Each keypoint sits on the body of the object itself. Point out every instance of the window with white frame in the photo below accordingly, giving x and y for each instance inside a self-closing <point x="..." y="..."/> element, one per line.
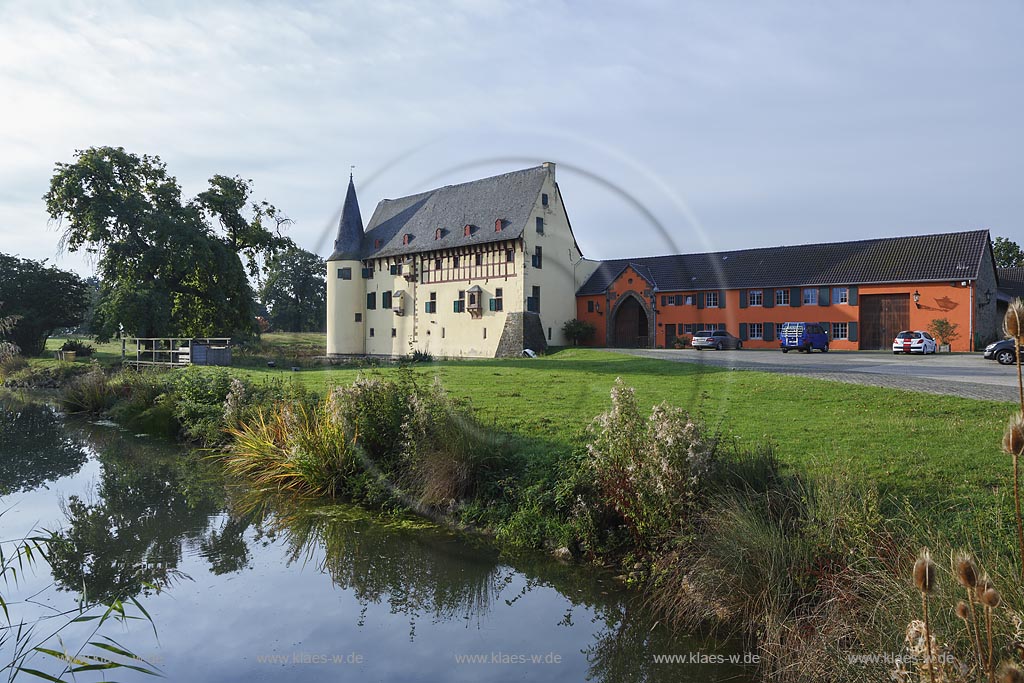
<point x="840" y="330"/>
<point x="710" y="299"/>
<point x="755" y="297"/>
<point x="840" y="295"/>
<point x="810" y="296"/>
<point x="781" y="297"/>
<point x="756" y="331"/>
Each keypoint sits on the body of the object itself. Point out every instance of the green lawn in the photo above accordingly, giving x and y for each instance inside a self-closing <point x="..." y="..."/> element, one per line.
<point x="922" y="445"/>
<point x="937" y="448"/>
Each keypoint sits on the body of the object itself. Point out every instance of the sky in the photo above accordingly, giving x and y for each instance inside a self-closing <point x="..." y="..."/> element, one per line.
<point x="675" y="126"/>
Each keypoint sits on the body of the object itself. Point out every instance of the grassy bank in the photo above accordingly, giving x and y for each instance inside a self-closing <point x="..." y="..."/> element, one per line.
<point x="787" y="509"/>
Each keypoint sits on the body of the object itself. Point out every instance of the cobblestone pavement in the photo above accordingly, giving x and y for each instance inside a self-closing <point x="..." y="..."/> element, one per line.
<point x="967" y="375"/>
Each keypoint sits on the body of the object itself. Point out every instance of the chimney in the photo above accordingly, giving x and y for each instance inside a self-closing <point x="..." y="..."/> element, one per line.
<point x="550" y="166"/>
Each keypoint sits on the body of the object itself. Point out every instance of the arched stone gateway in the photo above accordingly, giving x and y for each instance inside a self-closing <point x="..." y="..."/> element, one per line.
<point x="630" y="323"/>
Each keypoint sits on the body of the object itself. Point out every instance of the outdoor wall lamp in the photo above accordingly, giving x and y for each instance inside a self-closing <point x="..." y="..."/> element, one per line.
<point x="917" y="298"/>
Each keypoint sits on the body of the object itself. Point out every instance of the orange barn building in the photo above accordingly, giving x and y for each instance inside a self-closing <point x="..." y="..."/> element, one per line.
<point x="863" y="292"/>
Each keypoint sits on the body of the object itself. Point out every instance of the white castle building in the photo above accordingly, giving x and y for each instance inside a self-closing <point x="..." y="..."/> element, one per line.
<point x="481" y="269"/>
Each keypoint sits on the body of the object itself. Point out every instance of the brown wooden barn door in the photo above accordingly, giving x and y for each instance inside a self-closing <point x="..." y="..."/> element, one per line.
<point x="882" y="317"/>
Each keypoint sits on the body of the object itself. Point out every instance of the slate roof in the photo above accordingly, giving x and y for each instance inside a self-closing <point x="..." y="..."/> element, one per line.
<point x="510" y="197"/>
<point x="1011" y="281"/>
<point x="922" y="258"/>
<point x="347" y="244"/>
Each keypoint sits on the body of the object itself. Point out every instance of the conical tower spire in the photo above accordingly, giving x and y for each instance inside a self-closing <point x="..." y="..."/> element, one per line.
<point x="350" y="228"/>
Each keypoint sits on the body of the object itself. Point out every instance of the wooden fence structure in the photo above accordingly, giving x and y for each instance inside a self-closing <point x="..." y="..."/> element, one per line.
<point x="176" y="352"/>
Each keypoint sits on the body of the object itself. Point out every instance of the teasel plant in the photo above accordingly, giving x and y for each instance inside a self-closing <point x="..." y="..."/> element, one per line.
<point x="966" y="572"/>
<point x="1013" y="438"/>
<point x="925" y="580"/>
<point x="989" y="598"/>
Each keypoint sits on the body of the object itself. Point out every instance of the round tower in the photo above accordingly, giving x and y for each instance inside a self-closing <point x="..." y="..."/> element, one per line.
<point x="346" y="287"/>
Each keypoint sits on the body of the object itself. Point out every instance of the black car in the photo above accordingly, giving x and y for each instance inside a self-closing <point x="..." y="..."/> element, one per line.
<point x="1002" y="351"/>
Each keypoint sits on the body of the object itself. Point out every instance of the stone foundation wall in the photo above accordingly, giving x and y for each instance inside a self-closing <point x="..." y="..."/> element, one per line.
<point x="522" y="331"/>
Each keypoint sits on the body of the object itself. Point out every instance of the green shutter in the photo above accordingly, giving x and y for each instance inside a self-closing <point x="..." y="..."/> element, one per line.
<point x="823" y="296"/>
<point x="769" y="332"/>
<point x="743" y="298"/>
<point x="721" y="298"/>
<point x="768" y="298"/>
<point x="853" y="296"/>
<point x="491" y="305"/>
<point x="455" y="306"/>
<point x="700" y="299"/>
<point x="743" y="331"/>
<point x="796" y="297"/>
<point x="851" y="331"/>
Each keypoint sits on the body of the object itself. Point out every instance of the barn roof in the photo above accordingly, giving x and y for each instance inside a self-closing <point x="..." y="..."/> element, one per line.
<point x="922" y="258"/>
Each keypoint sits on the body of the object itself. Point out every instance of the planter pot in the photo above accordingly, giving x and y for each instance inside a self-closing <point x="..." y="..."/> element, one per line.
<point x="69" y="356"/>
<point x="943" y="348"/>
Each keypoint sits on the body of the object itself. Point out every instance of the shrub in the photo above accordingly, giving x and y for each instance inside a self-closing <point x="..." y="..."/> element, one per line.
<point x="10" y="364"/>
<point x="446" y="452"/>
<point x="649" y="471"/>
<point x="289" y="448"/>
<point x="682" y="341"/>
<point x="943" y="330"/>
<point x="200" y="394"/>
<point x="91" y="393"/>
<point x="79" y="347"/>
<point x="578" y="331"/>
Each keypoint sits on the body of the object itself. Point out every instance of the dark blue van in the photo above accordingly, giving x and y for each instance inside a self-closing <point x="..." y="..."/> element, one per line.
<point x="803" y="337"/>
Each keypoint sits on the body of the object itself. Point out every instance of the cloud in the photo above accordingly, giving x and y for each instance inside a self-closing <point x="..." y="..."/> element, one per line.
<point x="776" y="123"/>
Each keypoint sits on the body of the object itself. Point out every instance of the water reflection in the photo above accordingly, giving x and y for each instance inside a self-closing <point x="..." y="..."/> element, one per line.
<point x="37" y="448"/>
<point x="127" y="536"/>
<point x="155" y="515"/>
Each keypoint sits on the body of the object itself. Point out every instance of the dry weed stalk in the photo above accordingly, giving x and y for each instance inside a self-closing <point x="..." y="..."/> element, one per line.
<point x="924" y="580"/>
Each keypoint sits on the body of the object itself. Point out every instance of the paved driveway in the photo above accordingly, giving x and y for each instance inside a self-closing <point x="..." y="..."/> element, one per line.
<point x="958" y="374"/>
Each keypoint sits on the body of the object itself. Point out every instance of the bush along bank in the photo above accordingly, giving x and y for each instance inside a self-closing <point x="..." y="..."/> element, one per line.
<point x="814" y="573"/>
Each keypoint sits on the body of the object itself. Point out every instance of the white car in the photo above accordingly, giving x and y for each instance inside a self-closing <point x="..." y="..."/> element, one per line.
<point x="916" y="341"/>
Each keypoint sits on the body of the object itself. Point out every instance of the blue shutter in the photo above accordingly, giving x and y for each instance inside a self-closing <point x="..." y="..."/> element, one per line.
<point x="769" y="331"/>
<point x="851" y="330"/>
<point x="823" y="296"/>
<point x="700" y="299"/>
<point x="743" y="298"/>
<point x="796" y="297"/>
<point x="721" y="298"/>
<point x="853" y="296"/>
<point x="743" y="331"/>
<point x="768" y="298"/>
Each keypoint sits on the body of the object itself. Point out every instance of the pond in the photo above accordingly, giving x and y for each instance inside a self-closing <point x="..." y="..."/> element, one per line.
<point x="318" y="593"/>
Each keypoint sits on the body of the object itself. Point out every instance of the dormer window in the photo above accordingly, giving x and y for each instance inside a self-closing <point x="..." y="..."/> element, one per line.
<point x="376" y="244"/>
<point x="468" y="230"/>
<point x="438" y="234"/>
<point x="498" y="224"/>
<point x="405" y="238"/>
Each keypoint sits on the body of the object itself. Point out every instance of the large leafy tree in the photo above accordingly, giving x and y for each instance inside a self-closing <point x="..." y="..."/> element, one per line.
<point x="295" y="293"/>
<point x="228" y="201"/>
<point x="1007" y="253"/>
<point x="167" y="266"/>
<point x="38" y="299"/>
